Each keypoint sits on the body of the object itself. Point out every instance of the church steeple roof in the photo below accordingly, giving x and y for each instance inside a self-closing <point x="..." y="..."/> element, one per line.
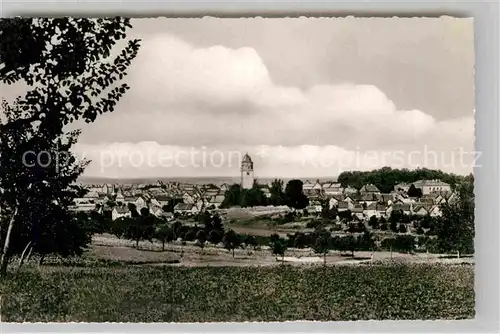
<point x="246" y="158"/>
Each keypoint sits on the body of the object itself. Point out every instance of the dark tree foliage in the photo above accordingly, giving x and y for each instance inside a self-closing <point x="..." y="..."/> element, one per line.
<point x="278" y="247"/>
<point x="277" y="194"/>
<point x="414" y="191"/>
<point x="401" y="243"/>
<point x="373" y="222"/>
<point x="386" y="178"/>
<point x="164" y="234"/>
<point x="393" y="226"/>
<point x="236" y="196"/>
<point x="71" y="75"/>
<point x="201" y="238"/>
<point x="231" y="241"/>
<point x="215" y="236"/>
<point x="232" y="196"/>
<point x="402" y="228"/>
<point x="455" y="227"/>
<point x="250" y="241"/>
<point x="346" y="215"/>
<point x="365" y="242"/>
<point x="294" y="195"/>
<point x="323" y="244"/>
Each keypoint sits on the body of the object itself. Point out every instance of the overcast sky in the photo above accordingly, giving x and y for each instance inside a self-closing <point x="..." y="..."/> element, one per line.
<point x="304" y="97"/>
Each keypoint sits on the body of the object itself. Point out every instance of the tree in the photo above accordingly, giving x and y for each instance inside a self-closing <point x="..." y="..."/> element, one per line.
<point x="365" y="242"/>
<point x="322" y="245"/>
<point x="386" y="178"/>
<point x="278" y="247"/>
<point x="231" y="241"/>
<point x="141" y="227"/>
<point x="455" y="227"/>
<point x="299" y="240"/>
<point x="414" y="191"/>
<point x="294" y="195"/>
<point x="402" y="228"/>
<point x="347" y="243"/>
<point x="66" y="64"/>
<point x="201" y="238"/>
<point x="250" y="241"/>
<point x="277" y="194"/>
<point x="232" y="196"/>
<point x="373" y="222"/>
<point x="393" y="226"/>
<point x="215" y="236"/>
<point x="164" y="234"/>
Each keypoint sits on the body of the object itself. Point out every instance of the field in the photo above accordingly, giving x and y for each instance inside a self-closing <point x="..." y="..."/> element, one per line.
<point x="205" y="294"/>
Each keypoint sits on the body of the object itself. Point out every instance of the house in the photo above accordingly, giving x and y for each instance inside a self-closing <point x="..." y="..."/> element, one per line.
<point x="201" y="204"/>
<point x="334" y="200"/>
<point x="155" y="210"/>
<point x="332" y="189"/>
<point x="357" y="211"/>
<point x="405" y="208"/>
<point x="435" y="211"/>
<point x="375" y="209"/>
<point x="160" y="200"/>
<point x="216" y="201"/>
<point x="422" y="209"/>
<point x="345" y="205"/>
<point x="314" y="207"/>
<point x="119" y="197"/>
<point x="349" y="199"/>
<point x="429" y="186"/>
<point x="317" y="186"/>
<point x="91" y="195"/>
<point x="140" y="203"/>
<point x="385" y="198"/>
<point x="119" y="212"/>
<point x="369" y="189"/>
<point x="350" y="191"/>
<point x="402" y="187"/>
<point x="185" y="208"/>
<point x="107" y="189"/>
<point x="188" y="198"/>
<point x="368" y="198"/>
<point x="83" y="207"/>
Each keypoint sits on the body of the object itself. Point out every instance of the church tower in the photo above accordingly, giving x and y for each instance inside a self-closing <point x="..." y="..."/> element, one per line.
<point x="247" y="178"/>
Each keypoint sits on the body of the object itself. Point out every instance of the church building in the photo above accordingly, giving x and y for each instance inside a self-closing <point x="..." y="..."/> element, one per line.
<point x="247" y="177"/>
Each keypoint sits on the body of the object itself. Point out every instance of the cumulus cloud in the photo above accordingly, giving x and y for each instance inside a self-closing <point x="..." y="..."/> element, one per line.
<point x="185" y="96"/>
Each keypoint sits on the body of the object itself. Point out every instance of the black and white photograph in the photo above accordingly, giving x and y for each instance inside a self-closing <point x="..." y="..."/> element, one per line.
<point x="189" y="170"/>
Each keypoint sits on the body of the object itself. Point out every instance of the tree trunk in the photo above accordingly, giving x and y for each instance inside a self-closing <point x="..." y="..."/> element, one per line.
<point x="233" y="252"/>
<point x="42" y="257"/>
<point x="23" y="255"/>
<point x="458" y="254"/>
<point x="324" y="259"/>
<point x="163" y="246"/>
<point x="137" y="244"/>
<point x="4" y="261"/>
<point x="28" y="257"/>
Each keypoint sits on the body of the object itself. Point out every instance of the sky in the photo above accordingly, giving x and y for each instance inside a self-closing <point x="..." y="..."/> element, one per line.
<point x="306" y="97"/>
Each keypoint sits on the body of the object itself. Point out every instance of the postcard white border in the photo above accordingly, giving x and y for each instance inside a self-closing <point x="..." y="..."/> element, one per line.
<point x="485" y="14"/>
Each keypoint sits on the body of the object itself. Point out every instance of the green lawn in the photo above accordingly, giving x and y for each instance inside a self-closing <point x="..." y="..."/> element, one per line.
<point x="168" y="294"/>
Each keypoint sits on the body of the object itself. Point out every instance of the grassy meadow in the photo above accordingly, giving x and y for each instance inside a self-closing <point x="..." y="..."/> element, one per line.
<point x="139" y="293"/>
